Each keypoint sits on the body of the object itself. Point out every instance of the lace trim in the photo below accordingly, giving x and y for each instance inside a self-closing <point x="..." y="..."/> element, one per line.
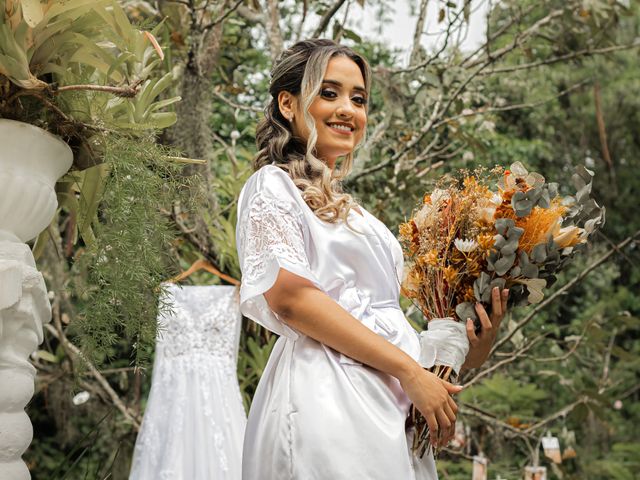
<point x="270" y="228"/>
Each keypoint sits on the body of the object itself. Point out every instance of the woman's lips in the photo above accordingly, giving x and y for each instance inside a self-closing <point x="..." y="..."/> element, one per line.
<point x="341" y="130"/>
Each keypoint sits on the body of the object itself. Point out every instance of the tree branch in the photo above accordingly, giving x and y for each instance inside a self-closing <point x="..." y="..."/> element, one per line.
<point x="417" y="35"/>
<point x="408" y="146"/>
<point x="569" y="56"/>
<point x="518" y="39"/>
<point x="326" y="18"/>
<point x="233" y="104"/>
<point x="497" y="33"/>
<point x="513" y="357"/>
<point x="74" y="352"/>
<point x="274" y="33"/>
<point x="126" y="92"/>
<point x="250" y="15"/>
<point x="221" y="18"/>
<point x="507" y="108"/>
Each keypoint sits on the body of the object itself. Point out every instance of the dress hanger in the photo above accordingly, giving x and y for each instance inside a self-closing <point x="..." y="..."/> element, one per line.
<point x="202" y="264"/>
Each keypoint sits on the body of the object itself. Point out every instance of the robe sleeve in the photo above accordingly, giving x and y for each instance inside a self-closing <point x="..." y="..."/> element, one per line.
<point x="270" y="235"/>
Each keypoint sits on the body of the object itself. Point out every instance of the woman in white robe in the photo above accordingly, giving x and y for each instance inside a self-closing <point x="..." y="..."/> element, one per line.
<point x="328" y="412"/>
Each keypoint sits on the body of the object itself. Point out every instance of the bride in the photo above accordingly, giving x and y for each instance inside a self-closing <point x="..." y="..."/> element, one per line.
<point x="322" y="272"/>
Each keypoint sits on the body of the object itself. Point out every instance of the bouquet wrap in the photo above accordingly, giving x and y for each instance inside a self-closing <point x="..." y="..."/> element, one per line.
<point x="445" y="343"/>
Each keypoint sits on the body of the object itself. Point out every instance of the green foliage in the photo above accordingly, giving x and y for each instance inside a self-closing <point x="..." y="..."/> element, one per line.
<point x="251" y="364"/>
<point x="132" y="252"/>
<point x="506" y="396"/>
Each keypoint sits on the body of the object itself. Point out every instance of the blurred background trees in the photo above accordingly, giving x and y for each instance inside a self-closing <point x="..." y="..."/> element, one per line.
<point x="556" y="84"/>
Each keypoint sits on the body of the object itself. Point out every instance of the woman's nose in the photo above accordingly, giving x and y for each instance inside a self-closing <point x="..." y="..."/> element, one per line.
<point x="345" y="108"/>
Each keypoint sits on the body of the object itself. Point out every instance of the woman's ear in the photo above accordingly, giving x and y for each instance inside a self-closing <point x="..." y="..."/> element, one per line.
<point x="287" y="104"/>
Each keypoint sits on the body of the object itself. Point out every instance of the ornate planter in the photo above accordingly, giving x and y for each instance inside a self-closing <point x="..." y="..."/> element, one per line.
<point x="31" y="161"/>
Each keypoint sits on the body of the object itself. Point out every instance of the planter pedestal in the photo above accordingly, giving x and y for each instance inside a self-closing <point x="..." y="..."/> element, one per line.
<point x="31" y="161"/>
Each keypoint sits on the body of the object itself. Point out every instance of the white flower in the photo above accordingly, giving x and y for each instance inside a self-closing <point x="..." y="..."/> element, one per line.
<point x="81" y="398"/>
<point x="422" y="216"/>
<point x="235" y="135"/>
<point x="439" y="195"/>
<point x="465" y="246"/>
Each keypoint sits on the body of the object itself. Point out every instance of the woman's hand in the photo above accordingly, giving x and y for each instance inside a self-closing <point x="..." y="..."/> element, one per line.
<point x="432" y="397"/>
<point x="480" y="345"/>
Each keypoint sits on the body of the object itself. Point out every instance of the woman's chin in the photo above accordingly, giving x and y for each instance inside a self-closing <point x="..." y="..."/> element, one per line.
<point x="334" y="151"/>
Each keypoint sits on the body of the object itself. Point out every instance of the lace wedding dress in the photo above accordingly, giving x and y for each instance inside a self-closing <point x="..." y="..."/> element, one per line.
<point x="318" y="414"/>
<point x="194" y="421"/>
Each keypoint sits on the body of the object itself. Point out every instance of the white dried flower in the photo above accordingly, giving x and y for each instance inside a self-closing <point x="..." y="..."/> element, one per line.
<point x="465" y="246"/>
<point x="81" y="398"/>
<point x="439" y="195"/>
<point x="422" y="216"/>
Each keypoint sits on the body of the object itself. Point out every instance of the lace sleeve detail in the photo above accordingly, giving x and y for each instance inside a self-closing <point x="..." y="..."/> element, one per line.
<point x="271" y="229"/>
<point x="270" y="236"/>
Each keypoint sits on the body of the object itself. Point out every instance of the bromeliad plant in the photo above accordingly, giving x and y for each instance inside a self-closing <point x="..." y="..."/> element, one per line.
<point x="81" y="70"/>
<point x="79" y="67"/>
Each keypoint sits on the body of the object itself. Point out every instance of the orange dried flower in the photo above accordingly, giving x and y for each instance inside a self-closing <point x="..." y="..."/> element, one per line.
<point x="450" y="274"/>
<point x="469" y="295"/>
<point x="505" y="210"/>
<point x="473" y="267"/>
<point x="485" y="241"/>
<point x="405" y="230"/>
<point x="431" y="258"/>
<point x="539" y="224"/>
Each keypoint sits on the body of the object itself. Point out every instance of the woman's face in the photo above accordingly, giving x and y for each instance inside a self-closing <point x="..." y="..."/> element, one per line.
<point x="339" y="111"/>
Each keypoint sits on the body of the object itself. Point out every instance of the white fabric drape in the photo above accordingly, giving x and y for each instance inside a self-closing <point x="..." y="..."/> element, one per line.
<point x="318" y="414"/>
<point x="194" y="421"/>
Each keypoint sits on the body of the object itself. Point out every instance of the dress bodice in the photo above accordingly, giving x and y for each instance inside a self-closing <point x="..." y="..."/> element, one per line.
<point x="199" y="322"/>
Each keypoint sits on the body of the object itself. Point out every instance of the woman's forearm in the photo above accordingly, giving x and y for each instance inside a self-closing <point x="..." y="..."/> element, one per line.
<point x="315" y="314"/>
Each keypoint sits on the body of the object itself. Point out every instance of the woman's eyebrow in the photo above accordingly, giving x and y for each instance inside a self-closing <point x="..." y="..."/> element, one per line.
<point x="339" y="84"/>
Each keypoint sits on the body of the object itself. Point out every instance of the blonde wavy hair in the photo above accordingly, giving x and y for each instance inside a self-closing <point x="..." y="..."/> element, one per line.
<point x="300" y="70"/>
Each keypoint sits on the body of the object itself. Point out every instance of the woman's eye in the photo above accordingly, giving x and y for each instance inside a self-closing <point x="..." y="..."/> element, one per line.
<point x="328" y="93"/>
<point x="360" y="100"/>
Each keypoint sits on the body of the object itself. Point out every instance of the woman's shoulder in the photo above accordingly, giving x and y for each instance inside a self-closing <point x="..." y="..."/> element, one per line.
<point x="271" y="181"/>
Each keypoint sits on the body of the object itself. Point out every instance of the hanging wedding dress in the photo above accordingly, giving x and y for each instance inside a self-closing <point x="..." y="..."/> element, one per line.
<point x="318" y="414"/>
<point x="194" y="421"/>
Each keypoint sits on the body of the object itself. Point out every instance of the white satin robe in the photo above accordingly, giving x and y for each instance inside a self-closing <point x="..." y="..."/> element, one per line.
<point x="318" y="414"/>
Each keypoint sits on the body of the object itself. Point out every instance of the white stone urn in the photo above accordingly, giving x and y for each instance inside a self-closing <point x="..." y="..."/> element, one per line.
<point x="31" y="161"/>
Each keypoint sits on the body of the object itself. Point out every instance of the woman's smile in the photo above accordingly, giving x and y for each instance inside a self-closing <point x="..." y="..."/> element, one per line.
<point x="341" y="128"/>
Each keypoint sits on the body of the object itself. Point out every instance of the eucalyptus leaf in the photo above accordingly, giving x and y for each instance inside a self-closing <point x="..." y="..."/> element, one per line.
<point x="510" y="247"/>
<point x="504" y="264"/>
<point x="539" y="253"/>
<point x="503" y="224"/>
<point x="530" y="270"/>
<point x="466" y="310"/>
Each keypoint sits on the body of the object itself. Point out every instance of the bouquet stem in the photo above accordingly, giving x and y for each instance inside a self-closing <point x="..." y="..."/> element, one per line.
<point x="419" y="423"/>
